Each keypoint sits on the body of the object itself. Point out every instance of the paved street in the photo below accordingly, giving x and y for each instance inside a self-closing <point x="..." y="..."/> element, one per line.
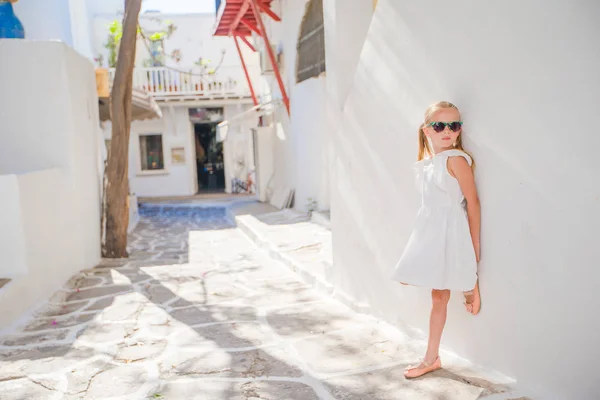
<point x="200" y="312"/>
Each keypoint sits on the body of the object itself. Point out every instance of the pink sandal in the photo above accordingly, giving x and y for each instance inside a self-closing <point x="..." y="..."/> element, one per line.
<point x="423" y="368"/>
<point x="474" y="306"/>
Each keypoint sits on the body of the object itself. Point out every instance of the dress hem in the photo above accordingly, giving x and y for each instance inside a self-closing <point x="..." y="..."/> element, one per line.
<point x="454" y="289"/>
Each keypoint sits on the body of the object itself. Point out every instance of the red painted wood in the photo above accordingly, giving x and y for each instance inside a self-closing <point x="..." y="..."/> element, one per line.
<point x="261" y="25"/>
<point x="237" y="45"/>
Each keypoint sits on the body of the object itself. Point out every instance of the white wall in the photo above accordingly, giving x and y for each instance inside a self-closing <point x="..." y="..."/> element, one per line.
<point x="46" y="19"/>
<point x="50" y="232"/>
<point x="527" y="93"/>
<point x="48" y="143"/>
<point x="174" y="180"/>
<point x="310" y="138"/>
<point x="14" y="260"/>
<point x="301" y="157"/>
<point x="194" y="38"/>
<point x="238" y="147"/>
<point x="96" y="7"/>
<point x="178" y="131"/>
<point x="81" y="28"/>
<point x="346" y="26"/>
<point x="42" y="143"/>
<point x="64" y="20"/>
<point x="265" y="142"/>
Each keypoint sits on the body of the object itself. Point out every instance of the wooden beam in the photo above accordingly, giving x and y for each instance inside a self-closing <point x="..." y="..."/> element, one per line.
<point x="250" y="26"/>
<point x="237" y="45"/>
<point x="245" y="40"/>
<point x="267" y="10"/>
<point x="239" y="16"/>
<point x="271" y="54"/>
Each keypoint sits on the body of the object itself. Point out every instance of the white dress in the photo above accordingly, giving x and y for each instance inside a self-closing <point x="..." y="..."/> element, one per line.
<point x="439" y="253"/>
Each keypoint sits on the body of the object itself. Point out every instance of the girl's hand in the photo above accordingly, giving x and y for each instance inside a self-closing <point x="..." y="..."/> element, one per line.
<point x="477" y="248"/>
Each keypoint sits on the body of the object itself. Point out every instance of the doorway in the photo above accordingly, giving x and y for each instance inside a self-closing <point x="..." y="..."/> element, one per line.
<point x="209" y="158"/>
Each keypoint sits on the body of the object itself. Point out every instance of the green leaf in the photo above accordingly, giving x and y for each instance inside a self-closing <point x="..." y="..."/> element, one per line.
<point x="157" y="36"/>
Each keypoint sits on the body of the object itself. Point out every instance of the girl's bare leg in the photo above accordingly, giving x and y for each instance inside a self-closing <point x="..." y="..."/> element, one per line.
<point x="437" y="321"/>
<point x="439" y="310"/>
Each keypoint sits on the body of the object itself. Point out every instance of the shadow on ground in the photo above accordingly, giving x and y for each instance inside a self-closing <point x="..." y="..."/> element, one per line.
<point x="198" y="312"/>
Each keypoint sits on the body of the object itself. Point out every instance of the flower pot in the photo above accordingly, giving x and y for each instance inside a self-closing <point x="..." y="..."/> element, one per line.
<point x="102" y="82"/>
<point x="10" y="26"/>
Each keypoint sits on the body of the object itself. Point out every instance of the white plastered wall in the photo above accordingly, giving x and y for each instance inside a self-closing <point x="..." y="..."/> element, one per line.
<point x="527" y="87"/>
<point x="176" y="179"/>
<point x="46" y="19"/>
<point x="49" y="151"/>
<point x="238" y="147"/>
<point x="300" y="149"/>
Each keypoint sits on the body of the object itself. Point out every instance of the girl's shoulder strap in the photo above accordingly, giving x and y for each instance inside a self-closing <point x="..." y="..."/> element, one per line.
<point x="458" y="153"/>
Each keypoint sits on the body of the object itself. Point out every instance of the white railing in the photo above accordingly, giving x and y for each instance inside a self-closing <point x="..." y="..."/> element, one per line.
<point x="162" y="82"/>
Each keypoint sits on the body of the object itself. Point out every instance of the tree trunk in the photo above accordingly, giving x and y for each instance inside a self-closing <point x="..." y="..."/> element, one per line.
<point x="115" y="213"/>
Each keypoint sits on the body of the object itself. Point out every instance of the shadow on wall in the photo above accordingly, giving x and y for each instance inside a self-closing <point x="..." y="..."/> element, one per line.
<point x="536" y="231"/>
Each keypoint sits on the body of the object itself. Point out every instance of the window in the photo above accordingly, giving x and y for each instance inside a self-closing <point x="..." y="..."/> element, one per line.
<point x="151" y="152"/>
<point x="311" y="43"/>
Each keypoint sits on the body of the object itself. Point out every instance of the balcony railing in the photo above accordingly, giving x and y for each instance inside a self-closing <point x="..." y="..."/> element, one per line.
<point x="163" y="83"/>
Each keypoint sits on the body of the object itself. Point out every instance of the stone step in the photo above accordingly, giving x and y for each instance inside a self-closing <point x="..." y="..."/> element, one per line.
<point x="300" y="244"/>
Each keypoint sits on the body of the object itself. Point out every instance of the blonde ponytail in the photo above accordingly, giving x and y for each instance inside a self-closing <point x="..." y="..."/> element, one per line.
<point x="424" y="149"/>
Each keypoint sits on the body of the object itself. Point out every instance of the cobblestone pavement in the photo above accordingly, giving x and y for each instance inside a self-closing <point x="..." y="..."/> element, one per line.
<point x="199" y="312"/>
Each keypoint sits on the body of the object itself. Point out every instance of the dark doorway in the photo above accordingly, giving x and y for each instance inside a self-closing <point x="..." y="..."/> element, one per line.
<point x="209" y="159"/>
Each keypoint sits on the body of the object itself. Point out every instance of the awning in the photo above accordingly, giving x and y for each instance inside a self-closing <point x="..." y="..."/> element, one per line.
<point x="235" y="17"/>
<point x="254" y="112"/>
<point x="143" y="106"/>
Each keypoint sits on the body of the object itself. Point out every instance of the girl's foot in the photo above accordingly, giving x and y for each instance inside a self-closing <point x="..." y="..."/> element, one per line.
<point x="473" y="300"/>
<point x="422" y="369"/>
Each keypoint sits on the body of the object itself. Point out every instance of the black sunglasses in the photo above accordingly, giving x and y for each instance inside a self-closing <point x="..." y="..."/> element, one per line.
<point x="454" y="126"/>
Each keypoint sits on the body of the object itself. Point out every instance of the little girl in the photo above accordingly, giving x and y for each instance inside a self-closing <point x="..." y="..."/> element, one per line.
<point x="443" y="250"/>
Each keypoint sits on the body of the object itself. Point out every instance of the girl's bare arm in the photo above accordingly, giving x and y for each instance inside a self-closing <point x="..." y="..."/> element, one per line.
<point x="461" y="170"/>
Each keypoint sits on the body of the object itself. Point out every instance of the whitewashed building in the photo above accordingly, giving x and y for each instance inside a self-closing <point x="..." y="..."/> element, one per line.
<point x="53" y="150"/>
<point x="524" y="74"/>
<point x="51" y="159"/>
<point x="295" y="145"/>
<point x="198" y="82"/>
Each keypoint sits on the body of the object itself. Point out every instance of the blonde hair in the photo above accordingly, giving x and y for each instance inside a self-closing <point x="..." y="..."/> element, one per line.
<point x="425" y="149"/>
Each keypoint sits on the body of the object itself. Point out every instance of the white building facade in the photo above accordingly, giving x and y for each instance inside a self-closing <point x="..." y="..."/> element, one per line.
<point x="53" y="150"/>
<point x="301" y="147"/>
<point x="50" y="172"/>
<point x="198" y="82"/>
<point x="205" y="77"/>
<point x="526" y="83"/>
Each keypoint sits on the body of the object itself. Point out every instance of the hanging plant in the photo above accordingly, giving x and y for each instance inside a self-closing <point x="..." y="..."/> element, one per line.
<point x="115" y="34"/>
